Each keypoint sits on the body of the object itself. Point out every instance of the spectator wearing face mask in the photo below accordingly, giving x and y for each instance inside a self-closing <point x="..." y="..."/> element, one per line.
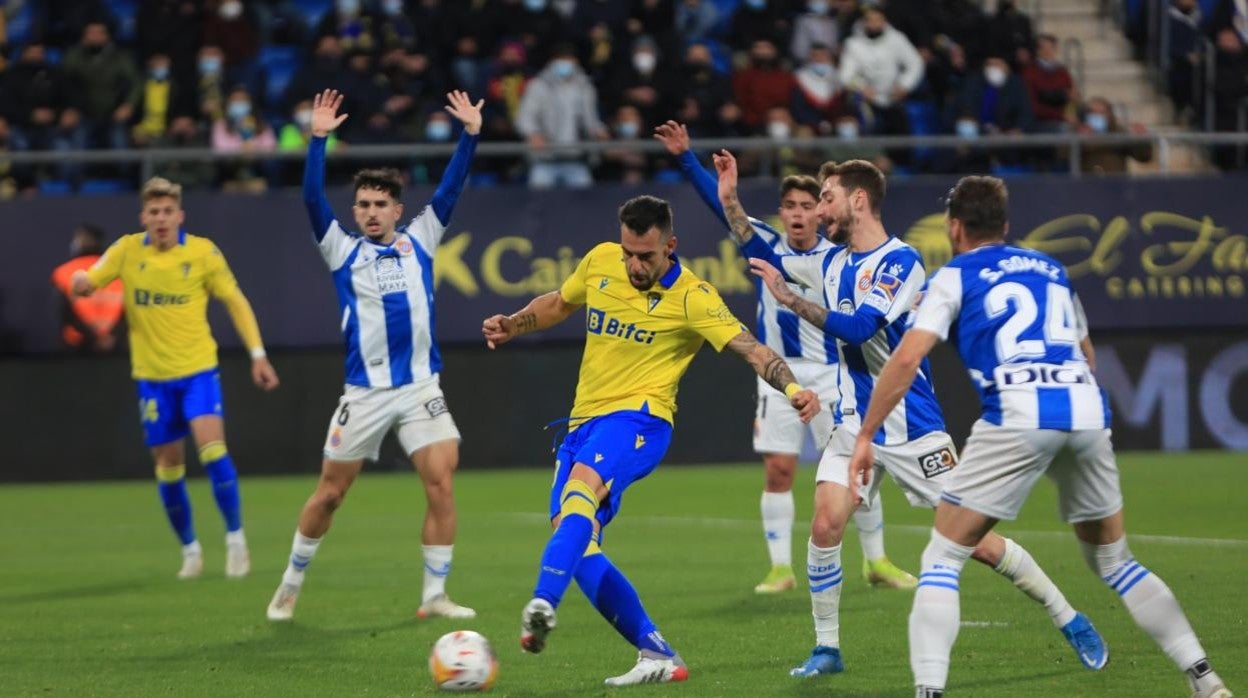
<point x="297" y="132"/>
<point x="1010" y="34"/>
<point x="880" y="67"/>
<point x="785" y="160"/>
<point x="241" y="130"/>
<point x="849" y="147"/>
<point x="437" y="129"/>
<point x="205" y="96"/>
<point x="817" y="98"/>
<point x="107" y="86"/>
<point x="624" y="164"/>
<point x="704" y="90"/>
<point x="1050" y="87"/>
<point x="559" y="108"/>
<point x="233" y="28"/>
<point x="761" y="20"/>
<point x="171" y="27"/>
<point x="1099" y="119"/>
<point x="763" y="85"/>
<point x="817" y="25"/>
<point x="158" y="102"/>
<point x="997" y="98"/>
<point x="39" y="105"/>
<point x="963" y="159"/>
<point x="643" y="83"/>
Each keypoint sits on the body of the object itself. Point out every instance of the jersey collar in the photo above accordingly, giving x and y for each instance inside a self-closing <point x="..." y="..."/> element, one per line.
<point x="147" y="237"/>
<point x="672" y="274"/>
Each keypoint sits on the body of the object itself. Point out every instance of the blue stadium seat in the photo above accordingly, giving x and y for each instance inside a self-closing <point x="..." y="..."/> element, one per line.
<point x="54" y="55"/>
<point x="126" y="13"/>
<point x="313" y="10"/>
<point x="93" y="187"/>
<point x="19" y="25"/>
<point x="924" y="121"/>
<point x="279" y="65"/>
<point x="1207" y="7"/>
<point x="55" y="187"/>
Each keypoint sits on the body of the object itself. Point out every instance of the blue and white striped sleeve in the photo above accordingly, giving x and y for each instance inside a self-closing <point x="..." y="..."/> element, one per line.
<point x="707" y="186"/>
<point x="335" y="243"/>
<point x="941" y="304"/>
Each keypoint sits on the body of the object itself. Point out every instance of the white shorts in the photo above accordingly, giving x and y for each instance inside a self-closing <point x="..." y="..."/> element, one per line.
<point x="1000" y="466"/>
<point x="416" y="412"/>
<point x="777" y="426"/>
<point x="920" y="467"/>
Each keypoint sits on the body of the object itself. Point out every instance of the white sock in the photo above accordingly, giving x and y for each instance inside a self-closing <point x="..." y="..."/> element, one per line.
<point x="1149" y="601"/>
<point x="777" y="508"/>
<point x="1019" y="567"/>
<point x="302" y="550"/>
<point x="437" y="567"/>
<point x="235" y="538"/>
<point x="935" y="616"/>
<point x="192" y="549"/>
<point x="870" y="525"/>
<point x="823" y="571"/>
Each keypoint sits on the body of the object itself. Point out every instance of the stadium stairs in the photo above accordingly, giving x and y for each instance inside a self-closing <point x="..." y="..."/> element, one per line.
<point x="1109" y="71"/>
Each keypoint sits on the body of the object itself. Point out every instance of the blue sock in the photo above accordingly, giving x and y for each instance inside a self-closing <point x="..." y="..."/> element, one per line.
<point x="220" y="467"/>
<point x="616" y="599"/>
<point x="567" y="544"/>
<point x="171" y="483"/>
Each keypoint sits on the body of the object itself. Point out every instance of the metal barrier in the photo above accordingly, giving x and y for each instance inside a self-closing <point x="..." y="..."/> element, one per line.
<point x="1072" y="54"/>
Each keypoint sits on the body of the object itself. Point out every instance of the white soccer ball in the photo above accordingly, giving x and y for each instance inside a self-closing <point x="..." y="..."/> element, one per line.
<point x="463" y="661"/>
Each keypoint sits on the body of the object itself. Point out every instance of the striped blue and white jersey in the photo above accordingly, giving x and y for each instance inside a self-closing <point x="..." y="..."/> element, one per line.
<point x="775" y="325"/>
<point x="385" y="292"/>
<point x="870" y="296"/>
<point x="1014" y="319"/>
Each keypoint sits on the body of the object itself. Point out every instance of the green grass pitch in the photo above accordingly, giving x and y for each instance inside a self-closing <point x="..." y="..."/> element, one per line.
<point x="89" y="603"/>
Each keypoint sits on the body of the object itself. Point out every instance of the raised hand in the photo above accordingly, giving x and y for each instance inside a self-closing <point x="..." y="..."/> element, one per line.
<point x="325" y="116"/>
<point x="673" y="136"/>
<point x="774" y="280"/>
<point x="726" y="168"/>
<point x="462" y="108"/>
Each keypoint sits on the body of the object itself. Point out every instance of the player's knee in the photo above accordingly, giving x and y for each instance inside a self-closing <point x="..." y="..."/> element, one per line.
<point x="212" y="452"/>
<point x="439" y="488"/>
<point x="1106" y="560"/>
<point x="577" y="499"/>
<point x="825" y="530"/>
<point x="778" y="479"/>
<point x="328" y="499"/>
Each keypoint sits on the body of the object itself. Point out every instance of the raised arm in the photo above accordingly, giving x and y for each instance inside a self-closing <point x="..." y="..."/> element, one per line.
<point x="325" y="118"/>
<point x="739" y="227"/>
<point x="771" y="368"/>
<point x="675" y="137"/>
<point x="447" y="193"/>
<point x="545" y="311"/>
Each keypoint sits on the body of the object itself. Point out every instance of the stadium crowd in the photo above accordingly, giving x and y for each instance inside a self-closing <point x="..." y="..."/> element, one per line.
<point x="236" y="76"/>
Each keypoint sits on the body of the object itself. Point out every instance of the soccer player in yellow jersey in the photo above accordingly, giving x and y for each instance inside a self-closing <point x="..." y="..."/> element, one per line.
<point x="645" y="318"/>
<point x="168" y="276"/>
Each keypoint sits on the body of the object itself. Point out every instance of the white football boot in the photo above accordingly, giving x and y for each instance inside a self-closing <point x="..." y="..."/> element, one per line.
<point x="651" y="668"/>
<point x="441" y="606"/>
<point x="237" y="561"/>
<point x="192" y="561"/>
<point x="282" y="607"/>
<point x="536" y="622"/>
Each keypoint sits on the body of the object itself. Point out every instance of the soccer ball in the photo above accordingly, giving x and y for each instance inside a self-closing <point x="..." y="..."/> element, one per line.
<point x="463" y="661"/>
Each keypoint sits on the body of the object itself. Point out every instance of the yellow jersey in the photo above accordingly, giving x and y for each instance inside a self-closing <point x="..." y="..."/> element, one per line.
<point x="167" y="303"/>
<point x="639" y="343"/>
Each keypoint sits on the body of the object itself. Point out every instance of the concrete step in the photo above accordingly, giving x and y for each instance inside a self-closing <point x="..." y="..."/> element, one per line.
<point x="1107" y="48"/>
<point x="1086" y="27"/>
<point x="1127" y="91"/>
<point x="1112" y="71"/>
<point x="1151" y="113"/>
<point x="1037" y="8"/>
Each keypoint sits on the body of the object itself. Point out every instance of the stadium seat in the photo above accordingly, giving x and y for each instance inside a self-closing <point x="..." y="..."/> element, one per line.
<point x="727" y="8"/>
<point x="313" y="10"/>
<point x="125" y="12"/>
<point x="56" y="187"/>
<point x="279" y="65"/>
<point x="93" y="187"/>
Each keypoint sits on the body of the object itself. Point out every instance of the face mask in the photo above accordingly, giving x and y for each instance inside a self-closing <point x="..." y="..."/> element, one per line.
<point x="756" y="4"/>
<point x="563" y="69"/>
<point x="238" y="110"/>
<point x="995" y="76"/>
<point x="210" y="65"/>
<point x="392" y="7"/>
<point x="627" y="129"/>
<point x="873" y="33"/>
<point x="160" y="73"/>
<point x="231" y="10"/>
<point x="303" y="118"/>
<point x="778" y="130"/>
<point x="438" y="131"/>
<point x="534" y="5"/>
<point x="823" y="70"/>
<point x="847" y="129"/>
<point x="819" y="7"/>
<point x="645" y="62"/>
<point x="1046" y="63"/>
<point x="1098" y="122"/>
<point x="967" y="128"/>
<point x="348" y="7"/>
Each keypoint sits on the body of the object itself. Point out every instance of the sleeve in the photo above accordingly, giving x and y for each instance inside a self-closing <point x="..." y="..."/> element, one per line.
<point x="527" y="118"/>
<point x="848" y="72"/>
<point x="912" y="62"/>
<point x="709" y="316"/>
<point x="108" y="267"/>
<point x="941" y="303"/>
<point x="898" y="282"/>
<point x="452" y="184"/>
<point x="573" y="288"/>
<point x="1081" y="318"/>
<point x="334" y="242"/>
<point x="589" y="110"/>
<point x="221" y="283"/>
<point x="805" y="269"/>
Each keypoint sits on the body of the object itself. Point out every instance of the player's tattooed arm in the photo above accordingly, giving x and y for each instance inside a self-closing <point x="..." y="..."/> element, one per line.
<point x="545" y="311"/>
<point x="739" y="227"/>
<point x="773" y="369"/>
<point x="813" y="313"/>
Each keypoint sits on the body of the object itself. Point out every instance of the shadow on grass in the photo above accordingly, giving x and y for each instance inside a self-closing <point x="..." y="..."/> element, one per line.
<point x="83" y="591"/>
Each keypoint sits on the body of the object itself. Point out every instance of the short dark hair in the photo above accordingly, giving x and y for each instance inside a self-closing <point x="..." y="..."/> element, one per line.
<point x="804" y="183"/>
<point x="860" y="174"/>
<point x="981" y="204"/>
<point x="826" y="170"/>
<point x="642" y="213"/>
<point x="385" y="179"/>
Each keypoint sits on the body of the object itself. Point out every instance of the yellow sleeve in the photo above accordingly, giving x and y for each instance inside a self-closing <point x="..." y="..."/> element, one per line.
<point x="108" y="267"/>
<point x="573" y="288"/>
<point x="709" y="316"/>
<point x="222" y="285"/>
